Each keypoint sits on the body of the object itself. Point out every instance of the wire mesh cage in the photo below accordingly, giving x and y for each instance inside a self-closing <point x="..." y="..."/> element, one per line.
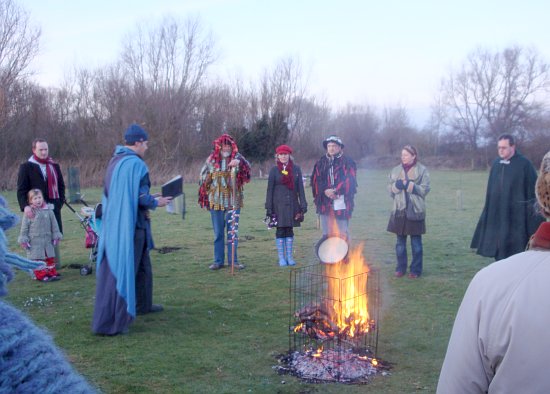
<point x="332" y="313"/>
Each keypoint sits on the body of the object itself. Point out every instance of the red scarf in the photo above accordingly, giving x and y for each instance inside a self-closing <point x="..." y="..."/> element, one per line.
<point x="286" y="172"/>
<point x="541" y="238"/>
<point x="407" y="167"/>
<point x="51" y="175"/>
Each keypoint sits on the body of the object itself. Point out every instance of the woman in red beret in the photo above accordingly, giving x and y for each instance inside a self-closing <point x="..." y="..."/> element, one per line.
<point x="285" y="202"/>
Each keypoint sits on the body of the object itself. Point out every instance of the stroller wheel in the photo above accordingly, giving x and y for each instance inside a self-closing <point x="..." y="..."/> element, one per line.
<point x="86" y="270"/>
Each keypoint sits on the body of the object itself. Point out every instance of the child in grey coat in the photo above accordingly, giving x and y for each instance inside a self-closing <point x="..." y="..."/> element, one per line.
<point x="39" y="234"/>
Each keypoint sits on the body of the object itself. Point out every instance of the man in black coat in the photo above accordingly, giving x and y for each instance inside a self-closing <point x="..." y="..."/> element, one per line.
<point x="509" y="217"/>
<point x="41" y="172"/>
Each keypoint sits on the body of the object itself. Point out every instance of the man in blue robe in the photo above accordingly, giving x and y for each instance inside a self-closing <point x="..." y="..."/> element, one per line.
<point x="124" y="274"/>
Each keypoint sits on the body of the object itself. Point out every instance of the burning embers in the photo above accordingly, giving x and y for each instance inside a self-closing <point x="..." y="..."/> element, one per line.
<point x="331" y="366"/>
<point x="316" y="322"/>
<point x="342" y="313"/>
<point x="333" y="322"/>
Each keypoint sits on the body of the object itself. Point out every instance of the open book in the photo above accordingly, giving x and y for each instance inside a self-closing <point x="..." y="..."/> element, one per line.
<point x="173" y="188"/>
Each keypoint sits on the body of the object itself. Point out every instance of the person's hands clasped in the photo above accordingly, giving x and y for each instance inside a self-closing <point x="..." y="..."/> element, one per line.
<point x="331" y="193"/>
<point x="399" y="184"/>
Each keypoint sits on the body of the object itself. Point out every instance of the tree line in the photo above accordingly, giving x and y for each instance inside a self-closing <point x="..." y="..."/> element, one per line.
<point x="161" y="80"/>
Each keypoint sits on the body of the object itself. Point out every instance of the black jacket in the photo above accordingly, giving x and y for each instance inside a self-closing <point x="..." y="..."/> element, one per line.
<point x="30" y="177"/>
<point x="282" y="201"/>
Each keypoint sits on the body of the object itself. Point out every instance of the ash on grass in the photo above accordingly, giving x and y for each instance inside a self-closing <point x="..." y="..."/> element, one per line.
<point x="332" y="366"/>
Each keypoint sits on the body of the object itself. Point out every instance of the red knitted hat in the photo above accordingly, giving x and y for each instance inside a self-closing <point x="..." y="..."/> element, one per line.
<point x="283" y="149"/>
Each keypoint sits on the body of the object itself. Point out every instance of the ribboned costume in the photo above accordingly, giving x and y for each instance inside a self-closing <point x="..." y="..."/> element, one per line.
<point x="124" y="274"/>
<point x="221" y="192"/>
<point x="508" y="218"/>
<point x="29" y="360"/>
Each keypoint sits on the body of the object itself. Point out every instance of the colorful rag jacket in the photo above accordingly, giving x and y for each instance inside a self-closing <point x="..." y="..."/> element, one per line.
<point x="337" y="173"/>
<point x="217" y="183"/>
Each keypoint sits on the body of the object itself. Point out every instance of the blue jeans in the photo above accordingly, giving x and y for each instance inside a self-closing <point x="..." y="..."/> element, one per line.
<point x="328" y="224"/>
<point x="221" y="223"/>
<point x="401" y="252"/>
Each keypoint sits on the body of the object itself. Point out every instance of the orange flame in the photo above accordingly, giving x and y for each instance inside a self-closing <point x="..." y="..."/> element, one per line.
<point x="318" y="353"/>
<point x="347" y="288"/>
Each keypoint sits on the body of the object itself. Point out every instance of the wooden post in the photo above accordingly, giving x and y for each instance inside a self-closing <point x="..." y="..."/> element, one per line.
<point x="459" y="201"/>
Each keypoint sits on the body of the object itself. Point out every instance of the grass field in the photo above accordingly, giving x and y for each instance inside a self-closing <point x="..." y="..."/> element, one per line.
<point x="220" y="333"/>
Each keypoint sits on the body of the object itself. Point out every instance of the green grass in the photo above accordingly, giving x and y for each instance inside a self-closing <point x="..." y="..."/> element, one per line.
<point x="220" y="333"/>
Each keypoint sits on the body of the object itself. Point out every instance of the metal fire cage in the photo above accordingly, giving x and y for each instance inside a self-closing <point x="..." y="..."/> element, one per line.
<point x="309" y="292"/>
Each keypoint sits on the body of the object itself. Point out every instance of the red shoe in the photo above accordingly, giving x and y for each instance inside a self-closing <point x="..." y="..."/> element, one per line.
<point x="399" y="274"/>
<point x="413" y="276"/>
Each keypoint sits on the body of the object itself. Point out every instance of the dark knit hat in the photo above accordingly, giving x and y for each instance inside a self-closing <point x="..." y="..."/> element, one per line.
<point x="333" y="138"/>
<point x="281" y="149"/>
<point x="135" y="133"/>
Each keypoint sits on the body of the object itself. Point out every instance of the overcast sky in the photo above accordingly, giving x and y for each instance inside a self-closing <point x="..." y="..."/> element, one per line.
<point x="382" y="53"/>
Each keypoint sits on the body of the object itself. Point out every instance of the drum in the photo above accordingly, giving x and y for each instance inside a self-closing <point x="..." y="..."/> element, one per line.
<point x="332" y="250"/>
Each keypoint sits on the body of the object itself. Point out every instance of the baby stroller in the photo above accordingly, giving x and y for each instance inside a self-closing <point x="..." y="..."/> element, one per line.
<point x="90" y="221"/>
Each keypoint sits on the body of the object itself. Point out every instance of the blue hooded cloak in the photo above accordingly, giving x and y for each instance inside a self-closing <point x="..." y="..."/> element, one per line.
<point x="115" y="306"/>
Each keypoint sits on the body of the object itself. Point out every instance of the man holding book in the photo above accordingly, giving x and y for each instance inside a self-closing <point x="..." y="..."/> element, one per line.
<point x="124" y="275"/>
<point x="221" y="192"/>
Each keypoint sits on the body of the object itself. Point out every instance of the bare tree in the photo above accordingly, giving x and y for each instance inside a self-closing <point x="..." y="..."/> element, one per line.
<point x="396" y="130"/>
<point x="19" y="43"/>
<point x="314" y="126"/>
<point x="358" y="126"/>
<point x="493" y="93"/>
<point x="167" y="66"/>
<point x="282" y="91"/>
<point x="512" y="85"/>
<point x="462" y="108"/>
